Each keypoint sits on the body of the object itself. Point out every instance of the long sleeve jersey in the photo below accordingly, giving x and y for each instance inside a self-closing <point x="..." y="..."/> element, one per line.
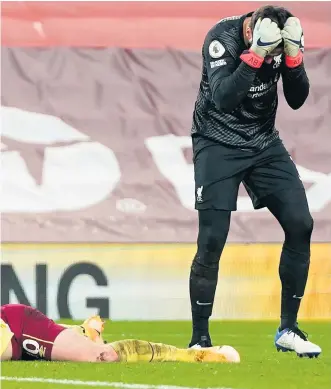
<point x="237" y="104"/>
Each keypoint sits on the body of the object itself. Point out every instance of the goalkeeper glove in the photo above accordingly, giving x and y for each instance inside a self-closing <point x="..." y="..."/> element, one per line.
<point x="266" y="37"/>
<point x="292" y="35"/>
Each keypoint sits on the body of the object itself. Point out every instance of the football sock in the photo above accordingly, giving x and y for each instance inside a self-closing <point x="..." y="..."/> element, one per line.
<point x="293" y="272"/>
<point x="290" y="208"/>
<point x="132" y="350"/>
<point x="213" y="230"/>
<point x="202" y="291"/>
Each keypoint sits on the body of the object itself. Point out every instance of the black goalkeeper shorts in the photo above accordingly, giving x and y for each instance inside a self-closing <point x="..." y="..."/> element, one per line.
<point x="219" y="170"/>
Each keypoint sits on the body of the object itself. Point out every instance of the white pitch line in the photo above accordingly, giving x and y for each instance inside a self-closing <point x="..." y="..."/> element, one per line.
<point x="121" y="385"/>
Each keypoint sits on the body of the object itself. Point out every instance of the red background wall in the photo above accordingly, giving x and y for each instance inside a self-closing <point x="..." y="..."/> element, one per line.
<point x="182" y="25"/>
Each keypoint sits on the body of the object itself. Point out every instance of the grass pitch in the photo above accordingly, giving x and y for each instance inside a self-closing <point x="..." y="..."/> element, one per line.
<point x="262" y="367"/>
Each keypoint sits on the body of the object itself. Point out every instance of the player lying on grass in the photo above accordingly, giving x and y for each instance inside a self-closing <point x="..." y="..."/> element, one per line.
<point x="27" y="334"/>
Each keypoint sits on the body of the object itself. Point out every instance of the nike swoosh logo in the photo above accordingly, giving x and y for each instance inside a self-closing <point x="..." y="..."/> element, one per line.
<point x="198" y="302"/>
<point x="260" y="43"/>
<point x="295" y="42"/>
<point x="297" y="297"/>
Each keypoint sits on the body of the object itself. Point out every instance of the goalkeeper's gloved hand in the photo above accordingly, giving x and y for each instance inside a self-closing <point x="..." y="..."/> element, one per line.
<point x="266" y="37"/>
<point x="292" y="35"/>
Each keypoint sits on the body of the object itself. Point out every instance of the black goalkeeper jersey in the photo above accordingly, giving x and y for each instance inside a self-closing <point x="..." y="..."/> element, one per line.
<point x="237" y="104"/>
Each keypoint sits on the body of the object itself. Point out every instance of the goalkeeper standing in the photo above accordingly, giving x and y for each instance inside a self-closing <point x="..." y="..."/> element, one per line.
<point x="235" y="140"/>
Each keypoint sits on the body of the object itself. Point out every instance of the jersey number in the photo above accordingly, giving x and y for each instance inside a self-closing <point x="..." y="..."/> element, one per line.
<point x="32" y="347"/>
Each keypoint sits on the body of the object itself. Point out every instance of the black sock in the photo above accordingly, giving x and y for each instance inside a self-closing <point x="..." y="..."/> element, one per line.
<point x="293" y="271"/>
<point x="213" y="231"/>
<point x="202" y="293"/>
<point x="290" y="207"/>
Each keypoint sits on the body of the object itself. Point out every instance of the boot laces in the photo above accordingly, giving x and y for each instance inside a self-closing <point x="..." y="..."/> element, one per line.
<point x="303" y="335"/>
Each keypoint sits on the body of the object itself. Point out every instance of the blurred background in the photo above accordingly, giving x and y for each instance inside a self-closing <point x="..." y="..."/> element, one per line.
<point x="97" y="183"/>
